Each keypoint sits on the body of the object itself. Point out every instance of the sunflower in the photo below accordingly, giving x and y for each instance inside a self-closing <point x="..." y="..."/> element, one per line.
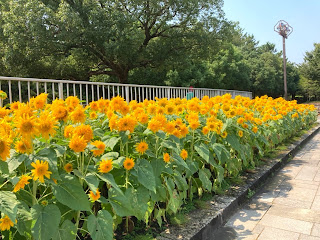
<point x="84" y="131"/>
<point x="40" y="170"/>
<point x="205" y="130"/>
<point x="105" y="166"/>
<point x="194" y="124"/>
<point x="94" y="196"/>
<point x="166" y="157"/>
<point x="78" y="143"/>
<point x="24" y="146"/>
<point x="184" y="154"/>
<point x="240" y="133"/>
<point x="27" y="126"/>
<point x="143" y="118"/>
<point x="94" y="105"/>
<point x="4" y="112"/>
<point x="142" y="147"/>
<point x="60" y="112"/>
<point x="255" y="129"/>
<point x="93" y="115"/>
<point x="128" y="163"/>
<point x="24" y="180"/>
<point x="224" y="134"/>
<point x="68" y="131"/>
<point x="68" y="167"/>
<point x="4" y="149"/>
<point x="14" y="106"/>
<point x="78" y="116"/>
<point x="47" y="124"/>
<point x="101" y="147"/>
<point x="5" y="223"/>
<point x="40" y="101"/>
<point x="170" y="109"/>
<point x="127" y="123"/>
<point x="72" y="101"/>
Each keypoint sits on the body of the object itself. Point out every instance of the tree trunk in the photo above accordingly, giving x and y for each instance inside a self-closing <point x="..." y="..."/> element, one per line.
<point x="123" y="76"/>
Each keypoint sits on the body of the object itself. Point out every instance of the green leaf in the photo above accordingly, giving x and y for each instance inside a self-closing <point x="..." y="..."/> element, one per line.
<point x="110" y="155"/>
<point x="49" y="155"/>
<point x="67" y="231"/>
<point x="158" y="165"/>
<point x="70" y="193"/>
<point x="161" y="134"/>
<point x="139" y="201"/>
<point x="100" y="226"/>
<point x="9" y="204"/>
<point x="15" y="161"/>
<point x="108" y="178"/>
<point x="226" y="124"/>
<point x="169" y="144"/>
<point x="144" y="172"/>
<point x="60" y="150"/>
<point x="45" y="221"/>
<point x="174" y="202"/>
<point x="4" y="167"/>
<point x="112" y="142"/>
<point x="233" y="140"/>
<point x="221" y="152"/>
<point x="203" y="151"/>
<point x="92" y="181"/>
<point x="180" y="181"/>
<point x="220" y="173"/>
<point x="120" y="203"/>
<point x="204" y="175"/>
<point x="178" y="160"/>
<point x="24" y="220"/>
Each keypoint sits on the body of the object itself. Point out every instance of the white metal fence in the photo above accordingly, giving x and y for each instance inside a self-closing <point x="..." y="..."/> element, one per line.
<point x="22" y="89"/>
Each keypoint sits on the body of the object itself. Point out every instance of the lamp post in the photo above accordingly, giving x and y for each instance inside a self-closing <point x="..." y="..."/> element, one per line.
<point x="284" y="29"/>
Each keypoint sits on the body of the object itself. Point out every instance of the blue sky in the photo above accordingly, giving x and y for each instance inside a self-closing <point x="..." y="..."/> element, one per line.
<point x="258" y="17"/>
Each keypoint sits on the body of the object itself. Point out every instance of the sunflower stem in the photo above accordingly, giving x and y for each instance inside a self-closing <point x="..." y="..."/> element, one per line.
<point x="78" y="219"/>
<point x="127" y="218"/>
<point x="34" y="192"/>
<point x="192" y="143"/>
<point x="157" y="142"/>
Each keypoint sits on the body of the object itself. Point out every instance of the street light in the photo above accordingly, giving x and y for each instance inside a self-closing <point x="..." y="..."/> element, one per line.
<point x="284" y="29"/>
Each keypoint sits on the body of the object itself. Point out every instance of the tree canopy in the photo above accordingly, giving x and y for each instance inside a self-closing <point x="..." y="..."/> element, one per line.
<point x="175" y="43"/>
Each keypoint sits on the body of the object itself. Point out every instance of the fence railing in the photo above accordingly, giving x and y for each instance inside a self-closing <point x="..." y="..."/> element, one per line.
<point x="23" y="89"/>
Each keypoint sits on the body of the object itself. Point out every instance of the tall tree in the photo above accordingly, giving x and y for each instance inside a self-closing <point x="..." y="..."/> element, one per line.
<point x="112" y="36"/>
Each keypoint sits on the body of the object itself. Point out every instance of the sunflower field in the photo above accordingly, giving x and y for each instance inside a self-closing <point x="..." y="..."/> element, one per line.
<point x="69" y="171"/>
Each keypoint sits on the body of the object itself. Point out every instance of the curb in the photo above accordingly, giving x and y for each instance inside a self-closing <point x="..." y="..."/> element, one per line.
<point x="202" y="223"/>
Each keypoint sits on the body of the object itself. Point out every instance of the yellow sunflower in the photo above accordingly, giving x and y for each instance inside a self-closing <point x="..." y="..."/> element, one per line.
<point x="68" y="131"/>
<point x="166" y="157"/>
<point x="101" y="147"/>
<point x="68" y="167"/>
<point x="24" y="180"/>
<point x="4" y="149"/>
<point x="40" y="170"/>
<point x="142" y="147"/>
<point x="84" y="131"/>
<point x="240" y="133"/>
<point x="5" y="223"/>
<point x="78" y="143"/>
<point x="184" y="154"/>
<point x="94" y="196"/>
<point x="60" y="112"/>
<point x="47" y="124"/>
<point x="78" y="116"/>
<point x="128" y="164"/>
<point x="27" y="126"/>
<point x="24" y="146"/>
<point x="93" y="115"/>
<point x="105" y="166"/>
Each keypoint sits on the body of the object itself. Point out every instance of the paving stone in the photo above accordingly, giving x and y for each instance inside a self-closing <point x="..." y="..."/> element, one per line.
<point x="286" y="224"/>
<point x="270" y="233"/>
<point x="292" y="202"/>
<point x="295" y="213"/>
<point x="246" y="219"/>
<point x="316" y="203"/>
<point x="301" y="194"/>
<point x="299" y="184"/>
<point x="316" y="230"/>
<point x="308" y="237"/>
<point x="307" y="173"/>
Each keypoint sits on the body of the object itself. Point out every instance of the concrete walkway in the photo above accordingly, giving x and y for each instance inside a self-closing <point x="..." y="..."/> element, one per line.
<point x="287" y="208"/>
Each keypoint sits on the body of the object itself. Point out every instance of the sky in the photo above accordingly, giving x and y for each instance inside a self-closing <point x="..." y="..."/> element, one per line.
<point x="258" y="17"/>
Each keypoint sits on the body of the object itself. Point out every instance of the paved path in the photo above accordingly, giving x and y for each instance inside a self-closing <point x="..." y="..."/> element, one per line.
<point x="287" y="208"/>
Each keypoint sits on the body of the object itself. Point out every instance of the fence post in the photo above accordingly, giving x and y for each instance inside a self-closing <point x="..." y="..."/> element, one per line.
<point x="60" y="90"/>
<point x="127" y="94"/>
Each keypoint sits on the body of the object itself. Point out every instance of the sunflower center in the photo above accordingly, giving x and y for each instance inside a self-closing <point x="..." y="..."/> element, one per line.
<point x="27" y="127"/>
<point x="41" y="170"/>
<point x="45" y="127"/>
